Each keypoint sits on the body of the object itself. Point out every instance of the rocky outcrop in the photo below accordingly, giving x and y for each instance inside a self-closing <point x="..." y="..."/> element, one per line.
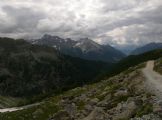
<point x="62" y="115"/>
<point x="121" y="97"/>
<point x="148" y="117"/>
<point x="84" y="48"/>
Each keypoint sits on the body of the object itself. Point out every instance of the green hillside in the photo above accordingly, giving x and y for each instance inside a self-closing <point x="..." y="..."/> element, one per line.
<point x="27" y="70"/>
<point x="134" y="60"/>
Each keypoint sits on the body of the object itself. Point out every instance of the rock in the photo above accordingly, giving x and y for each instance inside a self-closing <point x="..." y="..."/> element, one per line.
<point x="89" y="108"/>
<point x="94" y="101"/>
<point x="97" y="114"/>
<point x="37" y="113"/>
<point x="148" y="117"/>
<point x="104" y="93"/>
<point x="71" y="109"/>
<point x="157" y="108"/>
<point x="108" y="97"/>
<point x="121" y="92"/>
<point x="105" y="102"/>
<point x="83" y="97"/>
<point x="79" y="116"/>
<point x="61" y="115"/>
<point x="125" y="110"/>
<point x="120" y="106"/>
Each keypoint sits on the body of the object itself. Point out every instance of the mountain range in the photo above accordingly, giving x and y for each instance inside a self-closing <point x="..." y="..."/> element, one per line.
<point x="28" y="69"/>
<point x="63" y="87"/>
<point x="31" y="69"/>
<point x="83" y="48"/>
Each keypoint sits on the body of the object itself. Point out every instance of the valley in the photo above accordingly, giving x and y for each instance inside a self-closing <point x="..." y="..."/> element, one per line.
<point x="80" y="60"/>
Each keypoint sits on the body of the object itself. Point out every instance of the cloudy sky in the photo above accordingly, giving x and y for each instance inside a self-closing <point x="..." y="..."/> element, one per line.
<point x="117" y="22"/>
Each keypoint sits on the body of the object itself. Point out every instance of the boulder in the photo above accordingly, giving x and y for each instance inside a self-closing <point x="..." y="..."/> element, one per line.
<point x="148" y="117"/>
<point x="93" y="101"/>
<point x="61" y="115"/>
<point x="97" y="114"/>
<point x="121" y="92"/>
<point x="125" y="110"/>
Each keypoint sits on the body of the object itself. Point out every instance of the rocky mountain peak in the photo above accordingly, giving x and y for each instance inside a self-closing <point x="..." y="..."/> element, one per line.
<point x="50" y="37"/>
<point x="87" y="44"/>
<point x="84" y="48"/>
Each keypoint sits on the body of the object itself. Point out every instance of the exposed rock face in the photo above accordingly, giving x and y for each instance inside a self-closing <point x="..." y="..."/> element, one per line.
<point x="71" y="109"/>
<point x="97" y="114"/>
<point x="148" y="117"/>
<point x="122" y="92"/>
<point x="125" y="110"/>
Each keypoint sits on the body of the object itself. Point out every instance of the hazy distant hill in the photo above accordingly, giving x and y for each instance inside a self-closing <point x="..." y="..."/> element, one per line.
<point x="147" y="48"/>
<point x="83" y="48"/>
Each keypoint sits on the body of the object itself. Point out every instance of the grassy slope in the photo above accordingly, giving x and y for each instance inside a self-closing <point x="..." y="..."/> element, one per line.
<point x="28" y="70"/>
<point x="51" y="105"/>
<point x="134" y="60"/>
<point x="121" y="66"/>
<point x="43" y="111"/>
<point x="6" y="101"/>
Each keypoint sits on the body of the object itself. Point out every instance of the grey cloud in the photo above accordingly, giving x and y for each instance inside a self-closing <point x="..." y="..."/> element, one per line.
<point x="136" y="21"/>
<point x="153" y="16"/>
<point x="24" y="19"/>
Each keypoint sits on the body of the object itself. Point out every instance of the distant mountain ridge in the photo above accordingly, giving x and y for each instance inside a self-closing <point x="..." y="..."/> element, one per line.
<point x="83" y="48"/>
<point x="147" y="48"/>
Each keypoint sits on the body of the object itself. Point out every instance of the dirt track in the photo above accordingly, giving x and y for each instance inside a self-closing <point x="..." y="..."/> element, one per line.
<point x="153" y="79"/>
<point x="18" y="108"/>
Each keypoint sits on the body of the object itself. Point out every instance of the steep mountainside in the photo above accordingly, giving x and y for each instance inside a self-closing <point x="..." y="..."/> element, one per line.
<point x="147" y="48"/>
<point x="122" y="97"/>
<point x="84" y="48"/>
<point x="27" y="70"/>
